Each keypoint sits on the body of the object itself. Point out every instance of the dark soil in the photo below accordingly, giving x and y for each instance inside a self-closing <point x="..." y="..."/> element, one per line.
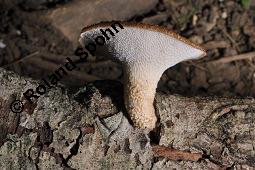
<point x="224" y="28"/>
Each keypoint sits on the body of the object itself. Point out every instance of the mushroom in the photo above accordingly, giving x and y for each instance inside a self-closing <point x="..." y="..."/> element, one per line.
<point x="145" y="52"/>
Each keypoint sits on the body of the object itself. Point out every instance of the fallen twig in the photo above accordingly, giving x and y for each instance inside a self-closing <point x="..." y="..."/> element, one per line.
<point x="21" y="59"/>
<point x="99" y="64"/>
<point x="174" y="154"/>
<point x="231" y="39"/>
<point x="53" y="57"/>
<point x="52" y="67"/>
<point x="228" y="59"/>
<point x="216" y="44"/>
<point x="42" y="54"/>
<point x="190" y="63"/>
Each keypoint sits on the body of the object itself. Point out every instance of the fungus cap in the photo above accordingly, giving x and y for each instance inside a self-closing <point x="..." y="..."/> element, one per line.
<point x="155" y="43"/>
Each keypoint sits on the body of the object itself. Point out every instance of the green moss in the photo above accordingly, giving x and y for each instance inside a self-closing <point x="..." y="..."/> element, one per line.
<point x="245" y="3"/>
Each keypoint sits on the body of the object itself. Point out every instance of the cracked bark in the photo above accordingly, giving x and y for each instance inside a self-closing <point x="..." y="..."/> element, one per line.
<point x="89" y="129"/>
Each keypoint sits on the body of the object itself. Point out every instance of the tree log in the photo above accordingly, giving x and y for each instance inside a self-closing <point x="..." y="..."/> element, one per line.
<point x="89" y="129"/>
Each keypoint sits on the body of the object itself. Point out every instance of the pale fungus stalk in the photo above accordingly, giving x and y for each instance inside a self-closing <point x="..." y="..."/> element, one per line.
<point x="145" y="52"/>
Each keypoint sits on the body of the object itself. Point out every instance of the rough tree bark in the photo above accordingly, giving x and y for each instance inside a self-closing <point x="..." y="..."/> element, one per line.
<point x="89" y="129"/>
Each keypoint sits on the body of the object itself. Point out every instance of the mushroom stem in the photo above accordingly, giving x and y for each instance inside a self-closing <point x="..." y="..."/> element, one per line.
<point x="139" y="93"/>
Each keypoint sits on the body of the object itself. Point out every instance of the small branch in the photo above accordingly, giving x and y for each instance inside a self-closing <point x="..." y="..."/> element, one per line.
<point x="191" y="63"/>
<point x="231" y="39"/>
<point x="216" y="44"/>
<point x="52" y="67"/>
<point x="53" y="57"/>
<point x="99" y="64"/>
<point x="41" y="54"/>
<point x="21" y="59"/>
<point x="174" y="154"/>
<point x="228" y="59"/>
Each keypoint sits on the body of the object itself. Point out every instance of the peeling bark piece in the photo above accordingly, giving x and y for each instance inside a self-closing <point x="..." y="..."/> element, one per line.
<point x="8" y="120"/>
<point x="166" y="165"/>
<point x="46" y="134"/>
<point x="87" y="130"/>
<point x="174" y="154"/>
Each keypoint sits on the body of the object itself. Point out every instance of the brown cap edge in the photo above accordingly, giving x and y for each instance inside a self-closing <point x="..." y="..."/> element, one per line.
<point x="150" y="27"/>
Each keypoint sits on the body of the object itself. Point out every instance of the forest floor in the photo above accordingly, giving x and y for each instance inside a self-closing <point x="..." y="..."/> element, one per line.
<point x="32" y="46"/>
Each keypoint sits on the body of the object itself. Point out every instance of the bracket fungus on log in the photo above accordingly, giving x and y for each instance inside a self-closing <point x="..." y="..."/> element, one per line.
<point x="145" y="52"/>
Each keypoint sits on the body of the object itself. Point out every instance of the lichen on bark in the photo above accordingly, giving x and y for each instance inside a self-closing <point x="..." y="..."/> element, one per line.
<point x="89" y="129"/>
